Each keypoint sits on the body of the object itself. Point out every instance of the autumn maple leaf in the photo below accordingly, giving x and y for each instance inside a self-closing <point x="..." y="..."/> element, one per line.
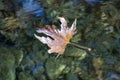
<point x="57" y="39"/>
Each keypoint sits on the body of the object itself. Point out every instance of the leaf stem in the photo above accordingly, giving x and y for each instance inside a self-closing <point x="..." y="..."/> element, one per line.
<point x="79" y="46"/>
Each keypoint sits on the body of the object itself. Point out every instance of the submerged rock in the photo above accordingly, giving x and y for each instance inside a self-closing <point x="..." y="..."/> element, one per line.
<point x="54" y="68"/>
<point x="7" y="65"/>
<point x="71" y="76"/>
<point x="75" y="52"/>
<point x="25" y="76"/>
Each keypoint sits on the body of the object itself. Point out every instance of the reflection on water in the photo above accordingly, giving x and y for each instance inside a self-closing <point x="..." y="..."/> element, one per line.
<point x="32" y="7"/>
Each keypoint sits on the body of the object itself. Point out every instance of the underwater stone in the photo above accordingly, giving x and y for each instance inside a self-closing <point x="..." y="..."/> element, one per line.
<point x="7" y="65"/>
<point x="18" y="57"/>
<point x="25" y="76"/>
<point x="27" y="63"/>
<point x="41" y="56"/>
<point x="72" y="76"/>
<point x="112" y="75"/>
<point x="38" y="69"/>
<point x="54" y="68"/>
<point x="75" y="52"/>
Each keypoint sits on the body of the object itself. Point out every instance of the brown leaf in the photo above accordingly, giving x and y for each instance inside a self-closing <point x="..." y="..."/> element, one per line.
<point x="60" y="37"/>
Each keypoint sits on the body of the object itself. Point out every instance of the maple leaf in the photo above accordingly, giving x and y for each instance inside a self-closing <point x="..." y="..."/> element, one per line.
<point x="57" y="39"/>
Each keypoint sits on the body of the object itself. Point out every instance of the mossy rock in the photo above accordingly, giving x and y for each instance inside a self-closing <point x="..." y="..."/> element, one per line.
<point x="75" y="52"/>
<point x="7" y="65"/>
<point x="25" y="76"/>
<point x="54" y="68"/>
<point x="71" y="76"/>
